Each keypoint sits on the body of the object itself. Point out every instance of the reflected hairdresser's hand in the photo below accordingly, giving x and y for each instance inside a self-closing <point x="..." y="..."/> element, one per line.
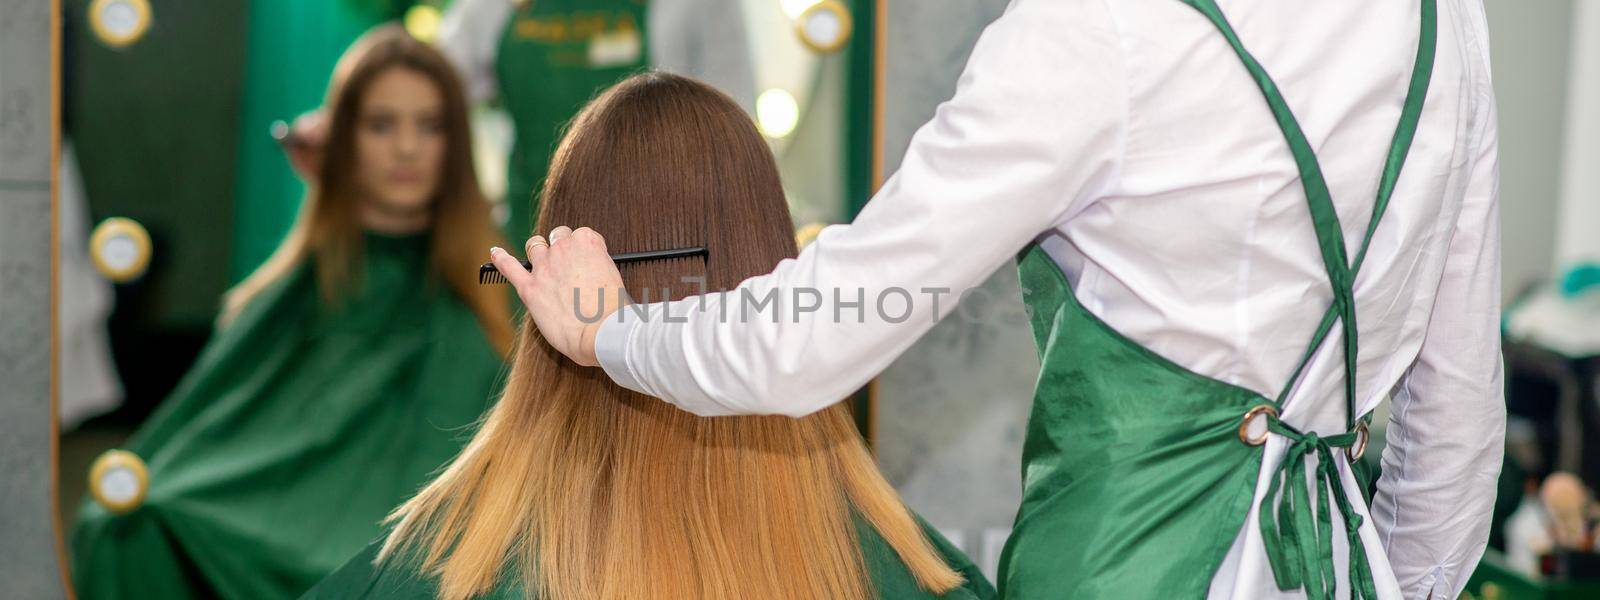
<point x="304" y="143"/>
<point x="572" y="287"/>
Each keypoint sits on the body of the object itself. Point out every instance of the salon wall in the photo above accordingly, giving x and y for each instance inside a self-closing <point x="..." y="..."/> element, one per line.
<point x="1578" y="237"/>
<point x="950" y="412"/>
<point x="1531" y="51"/>
<point x="28" y="558"/>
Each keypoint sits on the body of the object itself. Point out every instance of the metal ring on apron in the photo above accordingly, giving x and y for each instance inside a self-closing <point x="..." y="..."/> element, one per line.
<point x="1354" y="451"/>
<point x="1249" y="417"/>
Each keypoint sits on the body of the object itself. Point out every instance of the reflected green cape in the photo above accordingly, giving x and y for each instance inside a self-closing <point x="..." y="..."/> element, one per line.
<point x="400" y="579"/>
<point x="301" y="425"/>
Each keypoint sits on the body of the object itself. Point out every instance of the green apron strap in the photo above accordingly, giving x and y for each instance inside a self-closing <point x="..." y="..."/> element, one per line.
<point x="1296" y="524"/>
<point x="1299" y="549"/>
<point x="1330" y="236"/>
<point x="1399" y="148"/>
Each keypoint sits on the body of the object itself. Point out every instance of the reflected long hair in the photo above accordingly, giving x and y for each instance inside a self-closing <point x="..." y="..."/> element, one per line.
<point x="327" y="230"/>
<point x="596" y="492"/>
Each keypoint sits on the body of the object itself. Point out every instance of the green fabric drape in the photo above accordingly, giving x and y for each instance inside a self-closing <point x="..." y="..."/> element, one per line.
<point x="299" y="428"/>
<point x="401" y="580"/>
<point x="1137" y="477"/>
<point x="553" y="57"/>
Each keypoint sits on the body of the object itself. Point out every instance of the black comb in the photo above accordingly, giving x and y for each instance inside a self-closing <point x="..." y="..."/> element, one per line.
<point x="488" y="274"/>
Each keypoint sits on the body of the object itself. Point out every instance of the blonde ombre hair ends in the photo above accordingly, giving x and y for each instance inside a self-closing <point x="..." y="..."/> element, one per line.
<point x="591" y="491"/>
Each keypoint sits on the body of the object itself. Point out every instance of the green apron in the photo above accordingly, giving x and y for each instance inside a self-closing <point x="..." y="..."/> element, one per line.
<point x="554" y="56"/>
<point x="360" y="578"/>
<point x="1138" y="473"/>
<point x="298" y="429"/>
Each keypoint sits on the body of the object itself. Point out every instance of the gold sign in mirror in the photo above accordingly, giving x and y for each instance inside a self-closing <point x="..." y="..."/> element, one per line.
<point x="824" y="27"/>
<point x="120" y="249"/>
<point x="119" y="23"/>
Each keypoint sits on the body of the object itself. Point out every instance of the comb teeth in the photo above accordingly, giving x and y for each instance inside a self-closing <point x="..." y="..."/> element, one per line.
<point x="487" y="274"/>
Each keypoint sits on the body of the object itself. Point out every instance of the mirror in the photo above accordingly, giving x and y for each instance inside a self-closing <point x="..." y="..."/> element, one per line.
<point x="180" y="126"/>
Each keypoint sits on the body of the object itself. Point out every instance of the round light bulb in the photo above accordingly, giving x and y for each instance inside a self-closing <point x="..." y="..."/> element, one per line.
<point x="121" y="18"/>
<point x="777" y="113"/>
<point x="118" y="481"/>
<point x="120" y="484"/>
<point x="422" y="22"/>
<point x="119" y="23"/>
<point x="120" y="249"/>
<point x="824" y="27"/>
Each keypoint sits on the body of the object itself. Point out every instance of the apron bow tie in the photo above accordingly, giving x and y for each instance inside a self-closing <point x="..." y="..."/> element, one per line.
<point x="1299" y="550"/>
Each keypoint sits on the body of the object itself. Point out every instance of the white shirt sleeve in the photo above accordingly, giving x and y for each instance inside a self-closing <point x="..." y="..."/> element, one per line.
<point x="469" y="35"/>
<point x="1446" y="435"/>
<point x="1036" y="126"/>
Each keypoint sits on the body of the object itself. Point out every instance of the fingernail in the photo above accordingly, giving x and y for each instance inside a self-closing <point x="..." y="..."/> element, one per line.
<point x="495" y="250"/>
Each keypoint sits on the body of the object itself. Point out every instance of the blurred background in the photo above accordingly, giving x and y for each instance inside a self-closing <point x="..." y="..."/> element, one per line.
<point x="173" y="116"/>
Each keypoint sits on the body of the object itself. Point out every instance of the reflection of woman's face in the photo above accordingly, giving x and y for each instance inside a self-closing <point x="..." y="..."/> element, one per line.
<point x="399" y="144"/>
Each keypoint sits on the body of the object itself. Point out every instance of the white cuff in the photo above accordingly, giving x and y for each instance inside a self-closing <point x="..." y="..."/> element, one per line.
<point x="611" y="349"/>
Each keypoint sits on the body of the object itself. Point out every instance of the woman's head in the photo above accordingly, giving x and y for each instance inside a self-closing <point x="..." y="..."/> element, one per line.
<point x="398" y="141"/>
<point x="399" y="146"/>
<point x="611" y="494"/>
<point x="397" y="160"/>
<point x="661" y="161"/>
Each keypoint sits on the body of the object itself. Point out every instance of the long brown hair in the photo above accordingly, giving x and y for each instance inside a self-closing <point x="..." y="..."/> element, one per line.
<point x="601" y="493"/>
<point x="327" y="229"/>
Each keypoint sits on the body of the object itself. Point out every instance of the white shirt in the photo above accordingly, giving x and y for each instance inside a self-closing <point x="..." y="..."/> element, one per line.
<point x="1127" y="138"/>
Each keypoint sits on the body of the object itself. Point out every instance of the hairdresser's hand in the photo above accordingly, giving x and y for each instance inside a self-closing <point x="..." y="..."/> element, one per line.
<point x="572" y="288"/>
<point x="304" y="143"/>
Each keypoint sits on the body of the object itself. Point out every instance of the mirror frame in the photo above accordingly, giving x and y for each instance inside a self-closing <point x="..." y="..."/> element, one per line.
<point x="63" y="564"/>
<point x="864" y="150"/>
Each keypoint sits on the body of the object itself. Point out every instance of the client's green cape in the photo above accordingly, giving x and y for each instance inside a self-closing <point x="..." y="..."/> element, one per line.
<point x="400" y="580"/>
<point x="301" y="425"/>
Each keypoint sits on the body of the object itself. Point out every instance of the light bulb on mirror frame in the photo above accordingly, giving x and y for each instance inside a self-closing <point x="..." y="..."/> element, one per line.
<point x="777" y="113"/>
<point x="422" y="22"/>
<point x="119" y="23"/>
<point x="120" y="249"/>
<point x="118" y="481"/>
<point x="824" y="27"/>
